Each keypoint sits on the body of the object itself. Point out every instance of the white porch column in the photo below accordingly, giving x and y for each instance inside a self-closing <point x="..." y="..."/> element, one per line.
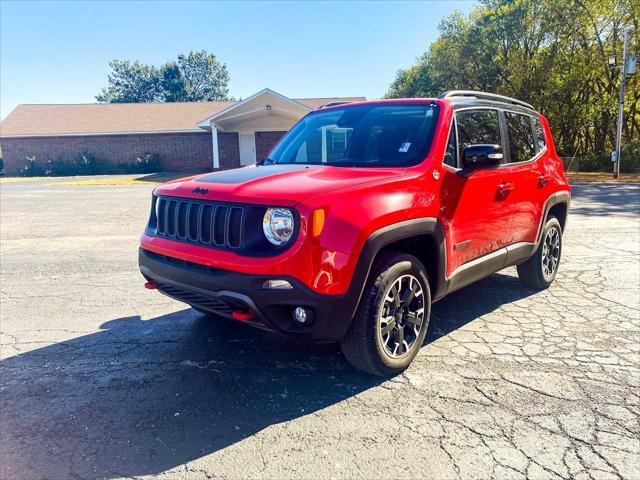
<point x="214" y="146"/>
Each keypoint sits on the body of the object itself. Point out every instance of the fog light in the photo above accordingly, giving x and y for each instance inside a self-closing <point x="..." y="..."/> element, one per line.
<point x="278" y="284"/>
<point x="302" y="315"/>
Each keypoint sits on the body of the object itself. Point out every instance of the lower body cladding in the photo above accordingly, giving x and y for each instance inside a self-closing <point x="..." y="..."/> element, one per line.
<point x="295" y="311"/>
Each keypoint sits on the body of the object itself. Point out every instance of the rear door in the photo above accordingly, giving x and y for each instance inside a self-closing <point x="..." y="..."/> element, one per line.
<point x="524" y="166"/>
<point x="475" y="207"/>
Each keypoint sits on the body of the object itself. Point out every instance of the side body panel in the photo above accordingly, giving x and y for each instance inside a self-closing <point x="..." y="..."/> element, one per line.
<point x="476" y="217"/>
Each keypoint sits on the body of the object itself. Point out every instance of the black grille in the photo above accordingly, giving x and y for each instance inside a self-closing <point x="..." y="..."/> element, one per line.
<point x="207" y="303"/>
<point x="204" y="223"/>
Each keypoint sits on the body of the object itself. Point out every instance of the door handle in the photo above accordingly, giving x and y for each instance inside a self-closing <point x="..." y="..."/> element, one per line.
<point x="543" y="180"/>
<point x="505" y="187"/>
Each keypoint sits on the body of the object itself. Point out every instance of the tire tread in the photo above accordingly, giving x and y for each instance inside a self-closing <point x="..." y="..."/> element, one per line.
<point x="530" y="272"/>
<point x="357" y="345"/>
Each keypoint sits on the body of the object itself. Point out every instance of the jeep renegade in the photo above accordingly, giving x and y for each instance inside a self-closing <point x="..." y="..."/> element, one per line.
<point x="361" y="217"/>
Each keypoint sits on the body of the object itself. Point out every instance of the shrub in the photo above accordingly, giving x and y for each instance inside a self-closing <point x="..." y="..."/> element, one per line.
<point x="602" y="162"/>
<point x="87" y="163"/>
<point x="84" y="164"/>
<point x="146" y="163"/>
<point x="32" y="168"/>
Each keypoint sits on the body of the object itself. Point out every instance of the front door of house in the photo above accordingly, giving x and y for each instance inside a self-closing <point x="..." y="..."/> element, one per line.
<point x="247" y="142"/>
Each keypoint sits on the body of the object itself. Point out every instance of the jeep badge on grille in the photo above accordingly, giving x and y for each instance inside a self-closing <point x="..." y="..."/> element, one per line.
<point x="202" y="191"/>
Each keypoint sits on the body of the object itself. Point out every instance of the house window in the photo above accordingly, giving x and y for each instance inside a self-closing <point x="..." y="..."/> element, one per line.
<point x="339" y="139"/>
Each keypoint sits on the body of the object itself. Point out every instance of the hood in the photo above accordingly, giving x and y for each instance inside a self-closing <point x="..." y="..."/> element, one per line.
<point x="284" y="185"/>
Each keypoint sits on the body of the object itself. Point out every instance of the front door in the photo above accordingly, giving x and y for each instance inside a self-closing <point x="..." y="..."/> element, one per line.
<point x="247" y="141"/>
<point x="475" y="207"/>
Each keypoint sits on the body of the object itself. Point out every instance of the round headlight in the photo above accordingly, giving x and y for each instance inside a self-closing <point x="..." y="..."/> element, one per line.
<point x="278" y="225"/>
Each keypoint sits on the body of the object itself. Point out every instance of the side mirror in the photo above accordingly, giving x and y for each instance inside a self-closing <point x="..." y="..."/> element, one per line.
<point x="481" y="156"/>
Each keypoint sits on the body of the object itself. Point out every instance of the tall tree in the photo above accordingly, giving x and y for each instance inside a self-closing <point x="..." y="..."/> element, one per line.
<point x="130" y="83"/>
<point x="205" y="77"/>
<point x="196" y="76"/>
<point x="173" y="84"/>
<point x="551" y="53"/>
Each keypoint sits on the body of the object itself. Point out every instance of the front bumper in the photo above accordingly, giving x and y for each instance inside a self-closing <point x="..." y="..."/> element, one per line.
<point x="223" y="291"/>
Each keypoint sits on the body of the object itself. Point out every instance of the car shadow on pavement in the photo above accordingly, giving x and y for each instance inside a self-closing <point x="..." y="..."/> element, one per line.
<point x="467" y="304"/>
<point x="142" y="396"/>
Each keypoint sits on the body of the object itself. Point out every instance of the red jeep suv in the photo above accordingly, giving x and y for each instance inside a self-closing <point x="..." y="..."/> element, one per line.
<point x="361" y="217"/>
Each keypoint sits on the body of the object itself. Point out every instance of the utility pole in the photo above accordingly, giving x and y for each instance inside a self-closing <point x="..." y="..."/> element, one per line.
<point x="623" y="81"/>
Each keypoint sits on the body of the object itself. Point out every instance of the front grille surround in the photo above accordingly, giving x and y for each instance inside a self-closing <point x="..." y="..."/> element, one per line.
<point x="212" y="224"/>
<point x="199" y="222"/>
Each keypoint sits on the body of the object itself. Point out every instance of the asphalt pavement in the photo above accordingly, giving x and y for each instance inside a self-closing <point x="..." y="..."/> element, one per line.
<point x="100" y="378"/>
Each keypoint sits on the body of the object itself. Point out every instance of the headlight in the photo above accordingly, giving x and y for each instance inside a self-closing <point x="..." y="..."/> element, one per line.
<point x="277" y="225"/>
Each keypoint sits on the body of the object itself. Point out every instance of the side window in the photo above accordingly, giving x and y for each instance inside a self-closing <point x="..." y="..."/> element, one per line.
<point x="521" y="141"/>
<point x="537" y="126"/>
<point x="478" y="127"/>
<point x="451" y="154"/>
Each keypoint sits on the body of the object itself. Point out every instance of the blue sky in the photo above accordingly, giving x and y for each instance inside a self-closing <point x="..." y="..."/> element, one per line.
<point x="57" y="52"/>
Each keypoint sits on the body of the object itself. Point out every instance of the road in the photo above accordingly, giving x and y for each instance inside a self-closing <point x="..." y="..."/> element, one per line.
<point x="100" y="378"/>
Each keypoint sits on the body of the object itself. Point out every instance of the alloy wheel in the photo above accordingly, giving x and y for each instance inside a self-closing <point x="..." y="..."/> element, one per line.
<point x="551" y="252"/>
<point x="401" y="316"/>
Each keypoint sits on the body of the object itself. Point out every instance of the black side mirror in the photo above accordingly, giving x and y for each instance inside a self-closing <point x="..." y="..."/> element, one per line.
<point x="481" y="156"/>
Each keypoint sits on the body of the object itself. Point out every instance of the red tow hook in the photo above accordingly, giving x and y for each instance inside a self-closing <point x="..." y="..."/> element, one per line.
<point x="151" y="285"/>
<point x="242" y="314"/>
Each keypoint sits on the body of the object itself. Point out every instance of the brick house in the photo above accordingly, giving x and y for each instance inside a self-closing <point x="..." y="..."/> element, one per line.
<point x="189" y="137"/>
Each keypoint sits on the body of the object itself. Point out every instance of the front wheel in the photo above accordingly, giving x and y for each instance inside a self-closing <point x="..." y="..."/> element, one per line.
<point x="392" y="318"/>
<point x="540" y="270"/>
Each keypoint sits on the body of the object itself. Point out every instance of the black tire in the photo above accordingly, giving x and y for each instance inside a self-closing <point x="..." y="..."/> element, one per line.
<point x="533" y="273"/>
<point x="364" y="345"/>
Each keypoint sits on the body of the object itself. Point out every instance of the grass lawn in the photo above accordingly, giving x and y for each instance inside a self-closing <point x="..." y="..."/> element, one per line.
<point x="601" y="177"/>
<point x="136" y="179"/>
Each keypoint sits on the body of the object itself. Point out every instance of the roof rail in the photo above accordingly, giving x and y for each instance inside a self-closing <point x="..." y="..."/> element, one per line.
<point x="486" y="96"/>
<point x="334" y="104"/>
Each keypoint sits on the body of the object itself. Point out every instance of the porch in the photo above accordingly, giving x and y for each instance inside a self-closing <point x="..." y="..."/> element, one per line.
<point x="257" y="122"/>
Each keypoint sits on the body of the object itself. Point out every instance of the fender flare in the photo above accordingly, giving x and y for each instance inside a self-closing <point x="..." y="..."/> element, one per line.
<point x="389" y="234"/>
<point x="562" y="196"/>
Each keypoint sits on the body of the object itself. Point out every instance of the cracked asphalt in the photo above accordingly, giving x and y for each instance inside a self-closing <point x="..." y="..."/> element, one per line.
<point x="100" y="378"/>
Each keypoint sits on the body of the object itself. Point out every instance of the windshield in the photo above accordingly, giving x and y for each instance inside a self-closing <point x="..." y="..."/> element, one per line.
<point x="380" y="135"/>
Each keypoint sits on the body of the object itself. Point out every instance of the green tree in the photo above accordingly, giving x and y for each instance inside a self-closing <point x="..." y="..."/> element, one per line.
<point x="551" y="53"/>
<point x="196" y="76"/>
<point x="130" y="83"/>
<point x="205" y="78"/>
<point x="173" y="84"/>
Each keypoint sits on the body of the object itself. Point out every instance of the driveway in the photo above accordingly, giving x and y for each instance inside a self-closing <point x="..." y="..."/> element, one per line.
<point x="102" y="378"/>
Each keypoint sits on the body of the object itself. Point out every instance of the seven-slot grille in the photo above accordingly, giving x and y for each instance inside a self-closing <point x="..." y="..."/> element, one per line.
<point x="194" y="221"/>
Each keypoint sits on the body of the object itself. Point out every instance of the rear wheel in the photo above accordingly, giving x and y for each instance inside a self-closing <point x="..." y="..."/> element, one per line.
<point x="392" y="318"/>
<point x="540" y="270"/>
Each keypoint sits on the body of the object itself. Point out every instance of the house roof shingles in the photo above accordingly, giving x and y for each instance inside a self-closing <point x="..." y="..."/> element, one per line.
<point x="32" y="120"/>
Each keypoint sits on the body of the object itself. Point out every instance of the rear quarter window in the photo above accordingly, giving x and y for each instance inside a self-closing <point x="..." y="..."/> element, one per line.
<point x="537" y="127"/>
